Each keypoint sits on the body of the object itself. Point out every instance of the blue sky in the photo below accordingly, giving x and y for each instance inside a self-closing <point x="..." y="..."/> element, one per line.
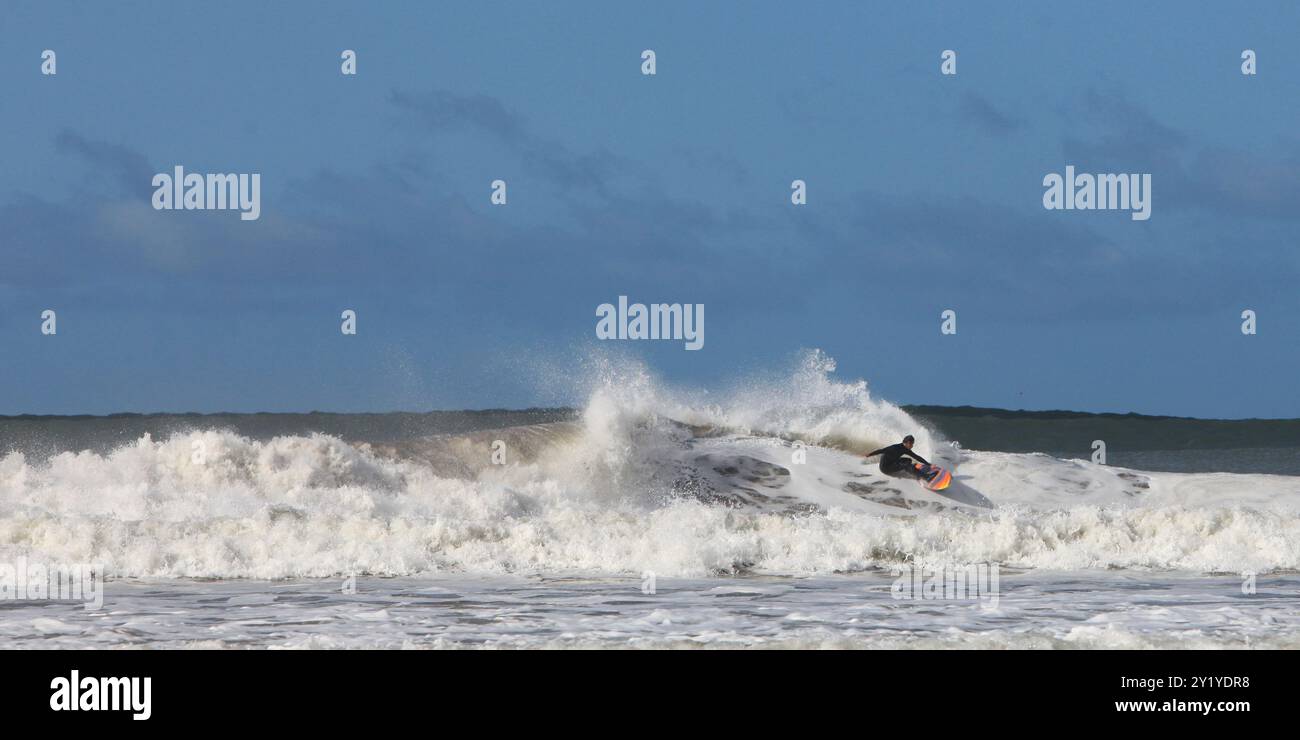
<point x="924" y="194"/>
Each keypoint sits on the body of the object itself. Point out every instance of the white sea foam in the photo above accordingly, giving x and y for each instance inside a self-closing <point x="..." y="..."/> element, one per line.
<point x="1037" y="609"/>
<point x="676" y="483"/>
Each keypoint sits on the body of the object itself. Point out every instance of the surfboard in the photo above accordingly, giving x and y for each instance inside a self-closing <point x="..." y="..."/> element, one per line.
<point x="933" y="477"/>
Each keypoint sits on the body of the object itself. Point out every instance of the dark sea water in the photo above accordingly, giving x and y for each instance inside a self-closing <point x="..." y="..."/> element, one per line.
<point x="1155" y="443"/>
<point x="45" y="435"/>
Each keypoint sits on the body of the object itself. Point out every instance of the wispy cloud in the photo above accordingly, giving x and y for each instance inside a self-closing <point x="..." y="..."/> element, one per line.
<point x="1236" y="183"/>
<point x="988" y="117"/>
<point x="128" y="169"/>
<point x="441" y="110"/>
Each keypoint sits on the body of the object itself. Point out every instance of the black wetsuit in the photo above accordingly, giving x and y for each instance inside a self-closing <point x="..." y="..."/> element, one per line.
<point x="893" y="460"/>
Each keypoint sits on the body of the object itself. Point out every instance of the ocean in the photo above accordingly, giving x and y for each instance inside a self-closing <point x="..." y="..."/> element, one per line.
<point x="653" y="517"/>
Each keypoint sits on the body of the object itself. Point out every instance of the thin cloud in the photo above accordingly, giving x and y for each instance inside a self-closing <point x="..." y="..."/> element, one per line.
<point x="980" y="111"/>
<point x="441" y="110"/>
<point x="129" y="169"/>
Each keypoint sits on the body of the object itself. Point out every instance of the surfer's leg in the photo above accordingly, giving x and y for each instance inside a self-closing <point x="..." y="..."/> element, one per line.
<point x="900" y="469"/>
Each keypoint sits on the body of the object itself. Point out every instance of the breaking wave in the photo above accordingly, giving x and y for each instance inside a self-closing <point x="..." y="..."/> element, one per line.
<point x="765" y="478"/>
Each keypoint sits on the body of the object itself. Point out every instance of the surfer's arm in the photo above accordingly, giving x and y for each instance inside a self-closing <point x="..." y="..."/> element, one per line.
<point x="877" y="452"/>
<point x="918" y="458"/>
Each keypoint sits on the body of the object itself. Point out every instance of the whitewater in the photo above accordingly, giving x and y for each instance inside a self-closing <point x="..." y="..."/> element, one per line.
<point x="751" y="512"/>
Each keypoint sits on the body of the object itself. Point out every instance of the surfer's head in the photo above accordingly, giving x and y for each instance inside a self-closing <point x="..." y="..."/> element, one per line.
<point x="908" y="441"/>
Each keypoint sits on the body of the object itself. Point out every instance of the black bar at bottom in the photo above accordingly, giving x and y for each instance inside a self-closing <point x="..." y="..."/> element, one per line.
<point x="216" y="690"/>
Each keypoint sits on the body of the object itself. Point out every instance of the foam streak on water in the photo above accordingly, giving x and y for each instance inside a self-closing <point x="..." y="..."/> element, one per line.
<point x="1035" y="611"/>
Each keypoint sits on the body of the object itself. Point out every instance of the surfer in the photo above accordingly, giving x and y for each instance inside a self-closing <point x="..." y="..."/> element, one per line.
<point x="893" y="459"/>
